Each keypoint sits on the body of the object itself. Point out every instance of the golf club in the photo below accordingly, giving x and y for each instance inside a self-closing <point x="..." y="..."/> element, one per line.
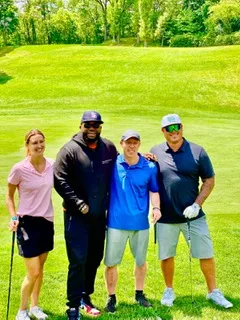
<point x="190" y="256"/>
<point x="10" y="274"/>
<point x="155" y="252"/>
<point x="155" y="263"/>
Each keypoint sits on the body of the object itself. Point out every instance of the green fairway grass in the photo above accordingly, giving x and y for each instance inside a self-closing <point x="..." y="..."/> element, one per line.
<point x="48" y="87"/>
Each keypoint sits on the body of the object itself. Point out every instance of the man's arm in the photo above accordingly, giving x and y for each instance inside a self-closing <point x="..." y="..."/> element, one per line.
<point x="205" y="190"/>
<point x="62" y="175"/>
<point x="155" y="201"/>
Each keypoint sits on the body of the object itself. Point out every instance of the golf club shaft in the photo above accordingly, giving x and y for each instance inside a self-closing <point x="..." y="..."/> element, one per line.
<point x="10" y="274"/>
<point x="190" y="256"/>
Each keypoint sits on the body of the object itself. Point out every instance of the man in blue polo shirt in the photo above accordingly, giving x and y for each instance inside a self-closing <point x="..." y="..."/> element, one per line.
<point x="134" y="178"/>
<point x="182" y="164"/>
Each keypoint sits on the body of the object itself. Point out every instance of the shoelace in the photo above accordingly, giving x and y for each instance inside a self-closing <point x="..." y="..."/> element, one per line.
<point x="219" y="295"/>
<point x="142" y="297"/>
<point x="168" y="293"/>
<point x="24" y="314"/>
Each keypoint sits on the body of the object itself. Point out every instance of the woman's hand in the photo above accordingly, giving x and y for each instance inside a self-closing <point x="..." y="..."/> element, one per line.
<point x="13" y="224"/>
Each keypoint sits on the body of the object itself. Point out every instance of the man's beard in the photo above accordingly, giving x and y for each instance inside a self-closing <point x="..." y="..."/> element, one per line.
<point x="91" y="140"/>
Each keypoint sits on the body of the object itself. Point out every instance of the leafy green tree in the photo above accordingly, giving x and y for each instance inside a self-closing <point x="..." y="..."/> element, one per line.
<point x="35" y="20"/>
<point x="28" y="23"/>
<point x="104" y="9"/>
<point x="89" y="20"/>
<point x="119" y="17"/>
<point x="45" y="8"/>
<point x="193" y="4"/>
<point x="63" y="27"/>
<point x="166" y="23"/>
<point x="224" y="17"/>
<point x="145" y="8"/>
<point x="161" y="28"/>
<point x="189" y="21"/>
<point x="8" y="19"/>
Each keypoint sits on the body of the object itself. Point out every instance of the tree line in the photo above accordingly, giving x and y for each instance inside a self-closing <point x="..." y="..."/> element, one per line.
<point x="147" y="22"/>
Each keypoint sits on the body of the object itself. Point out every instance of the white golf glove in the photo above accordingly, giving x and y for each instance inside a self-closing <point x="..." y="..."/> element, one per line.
<point x="191" y="211"/>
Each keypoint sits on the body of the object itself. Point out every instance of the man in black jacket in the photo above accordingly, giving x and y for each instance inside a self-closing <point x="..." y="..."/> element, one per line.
<point x="82" y="178"/>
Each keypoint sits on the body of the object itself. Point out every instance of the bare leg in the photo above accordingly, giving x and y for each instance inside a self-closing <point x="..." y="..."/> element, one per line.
<point x="33" y="270"/>
<point x="140" y="273"/>
<point x="208" y="270"/>
<point x="168" y="271"/>
<point x="38" y="283"/>
<point x="111" y="277"/>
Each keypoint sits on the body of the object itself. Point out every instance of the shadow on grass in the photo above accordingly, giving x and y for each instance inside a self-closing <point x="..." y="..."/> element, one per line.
<point x="198" y="306"/>
<point x="4" y="77"/>
<point x="184" y="304"/>
<point x="5" y="50"/>
<point x="124" y="311"/>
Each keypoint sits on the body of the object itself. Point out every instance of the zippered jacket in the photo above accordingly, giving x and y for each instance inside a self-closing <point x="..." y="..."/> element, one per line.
<point x="82" y="173"/>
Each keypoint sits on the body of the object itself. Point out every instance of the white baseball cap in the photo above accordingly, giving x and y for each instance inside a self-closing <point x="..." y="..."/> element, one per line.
<point x="170" y="119"/>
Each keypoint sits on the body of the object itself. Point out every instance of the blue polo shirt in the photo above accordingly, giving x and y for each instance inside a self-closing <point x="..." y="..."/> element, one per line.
<point x="180" y="172"/>
<point x="129" y="197"/>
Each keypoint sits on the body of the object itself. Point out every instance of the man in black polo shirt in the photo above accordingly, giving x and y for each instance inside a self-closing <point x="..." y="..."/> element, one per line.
<point x="181" y="165"/>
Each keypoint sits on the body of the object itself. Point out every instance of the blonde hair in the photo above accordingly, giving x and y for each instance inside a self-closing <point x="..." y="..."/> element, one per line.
<point x="30" y="134"/>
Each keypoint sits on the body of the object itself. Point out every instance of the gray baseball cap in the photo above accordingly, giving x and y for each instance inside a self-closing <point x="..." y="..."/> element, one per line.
<point x="130" y="134"/>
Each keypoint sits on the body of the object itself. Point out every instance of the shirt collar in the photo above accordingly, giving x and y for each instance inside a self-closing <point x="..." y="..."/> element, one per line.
<point x="139" y="164"/>
<point x="28" y="164"/>
<point x="181" y="149"/>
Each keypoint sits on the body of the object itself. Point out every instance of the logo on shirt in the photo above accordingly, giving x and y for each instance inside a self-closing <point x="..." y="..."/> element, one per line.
<point x="106" y="161"/>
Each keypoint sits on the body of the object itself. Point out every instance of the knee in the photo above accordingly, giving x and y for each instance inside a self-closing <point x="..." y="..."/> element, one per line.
<point x="110" y="269"/>
<point x="142" y="267"/>
<point x="34" y="274"/>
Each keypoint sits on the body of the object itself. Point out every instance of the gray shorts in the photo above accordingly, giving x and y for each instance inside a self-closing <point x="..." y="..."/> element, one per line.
<point x="116" y="244"/>
<point x="168" y="235"/>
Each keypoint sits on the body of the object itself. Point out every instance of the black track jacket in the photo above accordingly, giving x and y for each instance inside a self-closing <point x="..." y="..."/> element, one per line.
<point x="81" y="173"/>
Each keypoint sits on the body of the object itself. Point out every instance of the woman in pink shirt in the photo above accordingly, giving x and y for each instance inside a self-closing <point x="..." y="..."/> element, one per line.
<point x="33" y="219"/>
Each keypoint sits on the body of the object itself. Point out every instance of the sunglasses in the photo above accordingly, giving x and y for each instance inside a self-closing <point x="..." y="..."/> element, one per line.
<point x="95" y="125"/>
<point x="173" y="127"/>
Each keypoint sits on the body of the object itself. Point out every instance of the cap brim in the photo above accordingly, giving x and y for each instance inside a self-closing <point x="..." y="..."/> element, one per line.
<point x="92" y="121"/>
<point x="166" y="125"/>
<point x="127" y="138"/>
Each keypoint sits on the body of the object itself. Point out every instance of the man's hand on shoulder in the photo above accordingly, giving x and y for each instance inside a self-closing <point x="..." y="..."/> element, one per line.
<point x="149" y="156"/>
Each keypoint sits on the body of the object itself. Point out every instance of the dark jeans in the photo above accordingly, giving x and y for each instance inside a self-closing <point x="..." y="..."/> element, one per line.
<point x="84" y="237"/>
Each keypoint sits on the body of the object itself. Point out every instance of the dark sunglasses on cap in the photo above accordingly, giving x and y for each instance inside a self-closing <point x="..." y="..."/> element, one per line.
<point x="173" y="127"/>
<point x="94" y="125"/>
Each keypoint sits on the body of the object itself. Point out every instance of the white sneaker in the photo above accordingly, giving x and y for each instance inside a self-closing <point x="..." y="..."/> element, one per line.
<point x="37" y="313"/>
<point x="168" y="297"/>
<point x="217" y="297"/>
<point x="22" y="315"/>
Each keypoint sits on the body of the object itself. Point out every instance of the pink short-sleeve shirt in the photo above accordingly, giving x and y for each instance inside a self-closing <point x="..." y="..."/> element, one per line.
<point x="34" y="189"/>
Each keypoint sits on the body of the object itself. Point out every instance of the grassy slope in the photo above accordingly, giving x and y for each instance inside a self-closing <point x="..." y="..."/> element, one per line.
<point x="49" y="86"/>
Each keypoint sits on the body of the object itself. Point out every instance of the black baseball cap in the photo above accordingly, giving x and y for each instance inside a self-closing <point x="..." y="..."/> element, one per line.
<point x="91" y="116"/>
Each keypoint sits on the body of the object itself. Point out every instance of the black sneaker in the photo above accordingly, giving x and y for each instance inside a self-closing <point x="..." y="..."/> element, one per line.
<point x="142" y="300"/>
<point x="73" y="314"/>
<point x="111" y="304"/>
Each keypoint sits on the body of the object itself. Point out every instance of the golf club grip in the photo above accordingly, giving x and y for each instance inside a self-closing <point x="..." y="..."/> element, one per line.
<point x="155" y="233"/>
<point x="13" y="243"/>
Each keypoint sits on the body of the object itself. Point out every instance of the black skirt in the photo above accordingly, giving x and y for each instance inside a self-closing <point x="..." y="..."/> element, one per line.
<point x="34" y="236"/>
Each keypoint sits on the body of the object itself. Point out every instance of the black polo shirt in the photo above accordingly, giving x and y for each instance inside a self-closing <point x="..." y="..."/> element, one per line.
<point x="179" y="178"/>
